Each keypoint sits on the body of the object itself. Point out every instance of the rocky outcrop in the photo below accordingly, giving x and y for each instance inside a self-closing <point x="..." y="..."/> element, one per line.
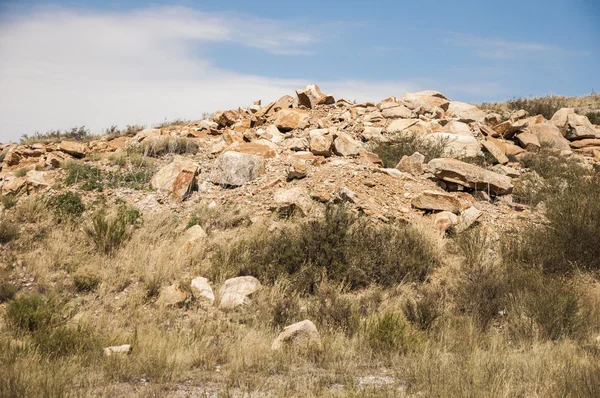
<point x="470" y="176"/>
<point x="236" y="169"/>
<point x="177" y="178"/>
<point x="311" y="96"/>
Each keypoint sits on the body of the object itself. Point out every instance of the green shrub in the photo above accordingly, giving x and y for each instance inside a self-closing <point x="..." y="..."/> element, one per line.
<point x="594" y="117"/>
<point x="66" y="206"/>
<point x="8" y="231"/>
<point x="406" y="144"/>
<point x="332" y="311"/>
<point x="8" y="201"/>
<point x="21" y="172"/>
<point x="86" y="279"/>
<point x="339" y="247"/>
<point x="7" y="291"/>
<point x="549" y="175"/>
<point x="569" y="241"/>
<point x="109" y="232"/>
<point x="63" y="341"/>
<point x="31" y="312"/>
<point x="75" y="134"/>
<point x="388" y="333"/>
<point x="545" y="106"/>
<point x="424" y="312"/>
<point x="89" y="177"/>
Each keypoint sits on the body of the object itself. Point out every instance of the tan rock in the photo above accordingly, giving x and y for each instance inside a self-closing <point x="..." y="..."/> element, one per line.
<point x="291" y="119"/>
<point x="75" y="149"/>
<point x="399" y="125"/>
<point x="311" y="96"/>
<point x="458" y="128"/>
<point x="457" y="145"/>
<point x="502" y="128"/>
<point x="579" y="127"/>
<point x="344" y="145"/>
<point x="172" y="296"/>
<point x="236" y="292"/>
<point x="412" y="164"/>
<point x="496" y="152"/>
<point x="124" y="349"/>
<point x="584" y="143"/>
<point x="425" y="101"/>
<point x="14" y="186"/>
<point x="253" y="148"/>
<point x="321" y="141"/>
<point x="301" y="334"/>
<point x="528" y="141"/>
<point x="373" y="134"/>
<point x="236" y="169"/>
<point x="470" y="176"/>
<point x="178" y="177"/>
<point x="437" y="201"/>
<point x="548" y="134"/>
<point x="467" y="219"/>
<point x="560" y="119"/>
<point x="194" y="235"/>
<point x="201" y="288"/>
<point x="38" y="179"/>
<point x="291" y="201"/>
<point x="465" y="112"/>
<point x="297" y="170"/>
<point x="444" y="220"/>
<point x="226" y="118"/>
<point x="398" y="111"/>
<point x="371" y="157"/>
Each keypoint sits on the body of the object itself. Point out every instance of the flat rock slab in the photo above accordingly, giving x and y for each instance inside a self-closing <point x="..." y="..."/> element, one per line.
<point x="470" y="176"/>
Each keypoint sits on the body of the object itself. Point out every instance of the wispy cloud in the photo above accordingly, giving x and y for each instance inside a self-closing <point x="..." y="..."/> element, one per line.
<point x="61" y="68"/>
<point x="496" y="48"/>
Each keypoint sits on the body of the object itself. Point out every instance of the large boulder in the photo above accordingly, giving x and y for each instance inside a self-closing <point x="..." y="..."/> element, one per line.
<point x="301" y="334"/>
<point x="437" y="201"/>
<point x="548" y="134"/>
<point x="237" y="291"/>
<point x="470" y="176"/>
<point x="495" y="151"/>
<point x="457" y="145"/>
<point x="290" y="201"/>
<point x="226" y="118"/>
<point x="344" y="145"/>
<point x="580" y="127"/>
<point x="73" y="148"/>
<point x="236" y="169"/>
<point x="412" y="164"/>
<point x="178" y="177"/>
<point x="311" y="96"/>
<point x="458" y="128"/>
<point x="291" y="119"/>
<point x="321" y="141"/>
<point x="253" y="148"/>
<point x="399" y="125"/>
<point x="465" y="112"/>
<point x="398" y="111"/>
<point x="425" y="101"/>
<point x="201" y="288"/>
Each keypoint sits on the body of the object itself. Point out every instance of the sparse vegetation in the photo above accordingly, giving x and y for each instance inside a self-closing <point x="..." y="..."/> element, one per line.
<point x="66" y="206"/>
<point x="109" y="232"/>
<point x="158" y="146"/>
<point x="87" y="177"/>
<point x="8" y="231"/>
<point x="74" y="134"/>
<point x="340" y="247"/>
<point x="218" y="218"/>
<point x="8" y="201"/>
<point x="405" y="145"/>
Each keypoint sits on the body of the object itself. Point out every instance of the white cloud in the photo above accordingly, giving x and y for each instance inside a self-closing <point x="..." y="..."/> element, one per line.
<point x="496" y="48"/>
<point x="61" y="68"/>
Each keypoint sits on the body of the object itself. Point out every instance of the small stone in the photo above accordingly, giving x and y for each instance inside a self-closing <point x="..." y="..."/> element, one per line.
<point x="348" y="195"/>
<point x="467" y="219"/>
<point x="236" y="292"/>
<point x="301" y="334"/>
<point x="124" y="349"/>
<point x="412" y="164"/>
<point x="202" y="288"/>
<point x="297" y="170"/>
<point x="437" y="201"/>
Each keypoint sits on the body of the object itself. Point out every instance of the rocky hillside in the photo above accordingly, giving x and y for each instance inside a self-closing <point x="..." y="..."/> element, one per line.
<point x="207" y="257"/>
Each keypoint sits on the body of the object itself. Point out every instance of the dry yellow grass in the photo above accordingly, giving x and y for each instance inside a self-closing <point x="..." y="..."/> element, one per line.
<point x="199" y="349"/>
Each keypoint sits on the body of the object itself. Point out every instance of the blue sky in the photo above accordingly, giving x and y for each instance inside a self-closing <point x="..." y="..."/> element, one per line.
<point x="98" y="63"/>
